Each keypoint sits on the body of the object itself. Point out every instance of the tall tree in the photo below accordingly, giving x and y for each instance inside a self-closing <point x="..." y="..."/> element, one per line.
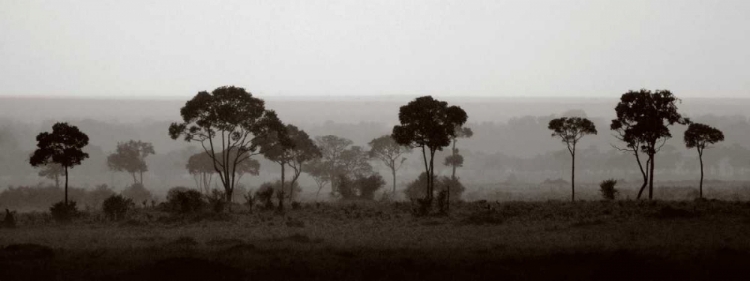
<point x="131" y="157"/>
<point x="63" y="146"/>
<point x="331" y="148"/>
<point x="571" y="130"/>
<point x="388" y="151"/>
<point x="277" y="147"/>
<point x="201" y="166"/>
<point x="304" y="151"/>
<point x="700" y="137"/>
<point x="643" y="117"/>
<point x="633" y="144"/>
<point x="52" y="171"/>
<point x="428" y="124"/>
<point x="227" y="119"/>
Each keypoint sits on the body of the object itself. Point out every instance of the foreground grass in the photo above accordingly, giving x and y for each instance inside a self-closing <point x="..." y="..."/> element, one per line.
<point x="622" y="240"/>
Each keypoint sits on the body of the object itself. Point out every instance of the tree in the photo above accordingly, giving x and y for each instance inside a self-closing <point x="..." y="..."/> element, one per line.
<point x="571" y="130"/>
<point x="63" y="147"/>
<point x="304" y="151"/>
<point x="227" y="119"/>
<point x="428" y="124"/>
<point x="388" y="151"/>
<point x="131" y="157"/>
<point x="643" y="118"/>
<point x="700" y="137"/>
<point x="278" y="147"/>
<point x="52" y="171"/>
<point x="331" y="148"/>
<point x="201" y="166"/>
<point x="318" y="170"/>
<point x="456" y="160"/>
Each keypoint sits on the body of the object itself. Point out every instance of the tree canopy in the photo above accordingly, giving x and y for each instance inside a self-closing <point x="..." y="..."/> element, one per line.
<point x="64" y="146"/>
<point x="131" y="157"/>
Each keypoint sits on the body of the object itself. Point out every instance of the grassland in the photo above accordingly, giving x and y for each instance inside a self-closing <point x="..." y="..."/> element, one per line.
<point x="621" y="240"/>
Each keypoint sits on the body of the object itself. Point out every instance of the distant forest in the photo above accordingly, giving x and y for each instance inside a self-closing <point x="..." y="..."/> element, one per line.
<point x="511" y="149"/>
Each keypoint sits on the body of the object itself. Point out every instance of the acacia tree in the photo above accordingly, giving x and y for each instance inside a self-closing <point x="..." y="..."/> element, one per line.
<point x="428" y="124"/>
<point x="131" y="157"/>
<point x="227" y="119"/>
<point x="700" y="137"/>
<point x="331" y="147"/>
<point x="317" y="169"/>
<point x="201" y="166"/>
<point x="388" y="151"/>
<point x="571" y="130"/>
<point x="63" y="146"/>
<point x="52" y="171"/>
<point x="643" y="118"/>
<point x="304" y="151"/>
<point x="633" y="144"/>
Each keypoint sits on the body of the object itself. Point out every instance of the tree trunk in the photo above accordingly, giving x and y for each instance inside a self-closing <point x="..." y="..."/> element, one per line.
<point x="651" y="178"/>
<point x="700" y="157"/>
<point x="57" y="180"/>
<point x="573" y="179"/>
<point x="135" y="180"/>
<point x="66" y="186"/>
<point x="141" y="176"/>
<point x="643" y="172"/>
<point x="281" y="191"/>
<point x="393" y="172"/>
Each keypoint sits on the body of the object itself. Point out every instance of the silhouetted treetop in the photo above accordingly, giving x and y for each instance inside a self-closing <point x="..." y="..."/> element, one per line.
<point x="701" y="135"/>
<point x="428" y="122"/>
<point x="63" y="146"/>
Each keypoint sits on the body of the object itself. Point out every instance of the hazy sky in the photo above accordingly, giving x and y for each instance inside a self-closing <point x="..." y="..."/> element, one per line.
<point x="298" y="48"/>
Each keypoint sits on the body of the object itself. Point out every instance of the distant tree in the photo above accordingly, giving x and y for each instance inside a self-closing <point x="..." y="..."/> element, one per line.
<point x="331" y="148"/>
<point x="304" y="151"/>
<point x="354" y="162"/>
<point x="63" y="146"/>
<point x="201" y="166"/>
<point x="227" y="119"/>
<point x="367" y="185"/>
<point x="700" y="137"/>
<point x="278" y="147"/>
<point x="131" y="157"/>
<point x="456" y="160"/>
<point x="643" y="118"/>
<point x="318" y="170"/>
<point x="52" y="171"/>
<point x="430" y="125"/>
<point x="388" y="151"/>
<point x="571" y="130"/>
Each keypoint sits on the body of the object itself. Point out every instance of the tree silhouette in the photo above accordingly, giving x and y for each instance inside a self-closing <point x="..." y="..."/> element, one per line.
<point x="318" y="170"/>
<point x="429" y="124"/>
<point x="201" y="166"/>
<point x="700" y="137"/>
<point x="456" y="160"/>
<point x="227" y="119"/>
<point x="388" y="151"/>
<point x="571" y="130"/>
<point x="331" y="147"/>
<point x="643" y="117"/>
<point x="304" y="151"/>
<point x="63" y="146"/>
<point x="131" y="157"/>
<point x="278" y="147"/>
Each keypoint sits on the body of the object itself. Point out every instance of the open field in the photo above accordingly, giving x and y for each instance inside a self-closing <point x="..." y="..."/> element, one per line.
<point x="368" y="241"/>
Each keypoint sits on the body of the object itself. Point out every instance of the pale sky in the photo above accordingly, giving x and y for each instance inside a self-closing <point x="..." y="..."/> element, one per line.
<point x="496" y="48"/>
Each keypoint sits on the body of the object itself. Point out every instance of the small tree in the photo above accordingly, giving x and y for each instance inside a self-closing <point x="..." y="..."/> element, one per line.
<point x="63" y="146"/>
<point x="319" y="172"/>
<point x="277" y="146"/>
<point x="331" y="147"/>
<point x="131" y="157"/>
<point x="201" y="166"/>
<point x="700" y="137"/>
<point x="571" y="130"/>
<point x="116" y="206"/>
<point x="304" y="151"/>
<point x="428" y="124"/>
<point x="456" y="160"/>
<point x="607" y="188"/>
<point x="388" y="151"/>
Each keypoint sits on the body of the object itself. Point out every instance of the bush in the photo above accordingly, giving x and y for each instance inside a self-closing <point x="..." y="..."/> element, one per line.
<point x="265" y="195"/>
<point x="417" y="189"/>
<point x="62" y="212"/>
<point x="217" y="201"/>
<point x="137" y="193"/>
<point x="608" y="190"/>
<point x="116" y="206"/>
<point x="182" y="200"/>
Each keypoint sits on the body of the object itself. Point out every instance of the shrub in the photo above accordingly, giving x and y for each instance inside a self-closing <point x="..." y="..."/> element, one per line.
<point x="249" y="200"/>
<point x="417" y="189"/>
<point x="62" y="212"/>
<point x="265" y="195"/>
<point x="217" y="201"/>
<point x="10" y="219"/>
<point x="116" y="206"/>
<point x="137" y="193"/>
<point x="182" y="200"/>
<point x="608" y="190"/>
